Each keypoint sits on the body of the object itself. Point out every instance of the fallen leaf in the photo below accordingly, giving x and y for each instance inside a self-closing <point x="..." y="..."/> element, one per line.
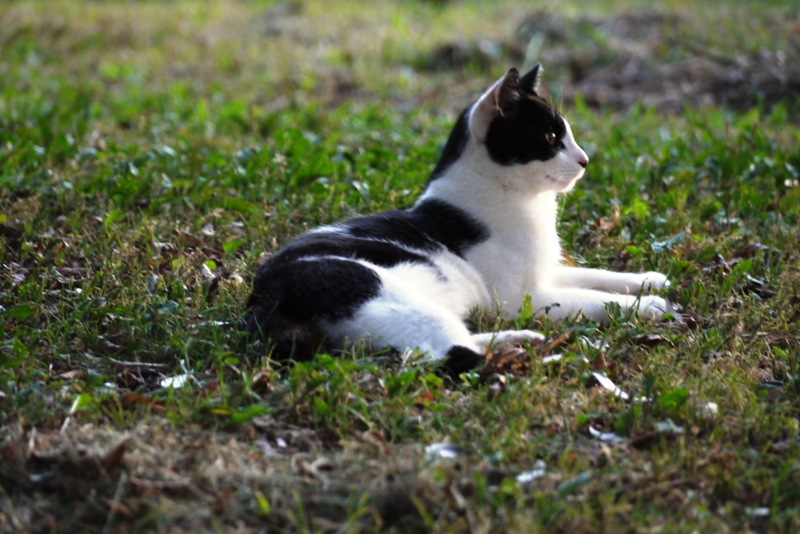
<point x="538" y="471"/>
<point x="708" y="410"/>
<point x="176" y="382"/>
<point x="446" y="451"/>
<point x="425" y="396"/>
<point x="75" y="374"/>
<point x="261" y="382"/>
<point x="610" y="222"/>
<point x="113" y="458"/>
<point x="208" y="230"/>
<point x="556" y="342"/>
<point x="599" y="363"/>
<point x="508" y="359"/>
<point x="761" y="511"/>
<point x="555" y="358"/>
<point x="750" y="249"/>
<point x="607" y="383"/>
<point x="758" y="287"/>
<point x="131" y="400"/>
<point x="668" y="427"/>
<point x="607" y="437"/>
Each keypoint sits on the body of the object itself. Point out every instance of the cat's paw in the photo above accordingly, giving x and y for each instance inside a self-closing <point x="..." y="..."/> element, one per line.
<point x="653" y="281"/>
<point x="655" y="308"/>
<point x="489" y="339"/>
<point x="521" y="336"/>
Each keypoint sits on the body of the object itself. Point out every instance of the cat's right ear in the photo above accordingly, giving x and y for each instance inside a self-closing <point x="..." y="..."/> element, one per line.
<point x="530" y="82"/>
<point x="496" y="102"/>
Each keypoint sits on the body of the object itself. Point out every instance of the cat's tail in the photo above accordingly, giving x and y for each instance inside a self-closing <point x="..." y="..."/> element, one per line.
<point x="286" y="339"/>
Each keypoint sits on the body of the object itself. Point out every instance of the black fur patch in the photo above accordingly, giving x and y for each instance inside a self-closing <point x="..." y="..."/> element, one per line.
<point x="312" y="289"/>
<point x="381" y="253"/>
<point x="289" y="299"/>
<point x="428" y="226"/>
<point x="460" y="360"/>
<point x="450" y="226"/>
<point x="456" y="143"/>
<point x="519" y="135"/>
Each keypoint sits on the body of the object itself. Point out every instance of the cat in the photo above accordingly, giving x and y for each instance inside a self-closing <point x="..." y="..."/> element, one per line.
<point x="482" y="235"/>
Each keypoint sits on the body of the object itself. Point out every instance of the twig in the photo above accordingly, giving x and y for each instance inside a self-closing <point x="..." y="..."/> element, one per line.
<point x="116" y="502"/>
<point x="139" y="365"/>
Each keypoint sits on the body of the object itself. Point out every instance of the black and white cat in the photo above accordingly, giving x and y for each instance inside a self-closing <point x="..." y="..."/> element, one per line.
<point x="482" y="235"/>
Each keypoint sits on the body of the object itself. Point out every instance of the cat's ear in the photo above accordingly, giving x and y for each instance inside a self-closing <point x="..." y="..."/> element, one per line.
<point x="530" y="82"/>
<point x="497" y="101"/>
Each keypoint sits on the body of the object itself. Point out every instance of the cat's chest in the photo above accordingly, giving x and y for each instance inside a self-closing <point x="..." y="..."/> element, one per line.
<point x="446" y="279"/>
<point x="520" y="255"/>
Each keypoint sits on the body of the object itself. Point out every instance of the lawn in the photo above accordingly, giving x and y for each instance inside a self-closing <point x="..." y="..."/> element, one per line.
<point x="153" y="153"/>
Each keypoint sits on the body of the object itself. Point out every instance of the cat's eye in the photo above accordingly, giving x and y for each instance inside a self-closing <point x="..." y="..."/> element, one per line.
<point x="550" y="137"/>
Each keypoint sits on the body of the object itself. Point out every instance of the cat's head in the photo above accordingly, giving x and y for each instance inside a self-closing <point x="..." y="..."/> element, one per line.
<point x="526" y="139"/>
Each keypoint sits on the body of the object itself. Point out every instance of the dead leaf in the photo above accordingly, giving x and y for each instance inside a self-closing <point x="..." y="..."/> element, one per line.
<point x="750" y="249"/>
<point x="208" y="230"/>
<point x="607" y="437"/>
<point x="507" y="359"/>
<point x="132" y="400"/>
<point x="74" y="374"/>
<point x="446" y="451"/>
<point x="609" y="223"/>
<point x="556" y="342"/>
<point x="538" y="471"/>
<point x="261" y="382"/>
<point x="622" y="259"/>
<point x="754" y="285"/>
<point x="599" y="363"/>
<point x="608" y="384"/>
<point x="425" y="396"/>
<point x="113" y="458"/>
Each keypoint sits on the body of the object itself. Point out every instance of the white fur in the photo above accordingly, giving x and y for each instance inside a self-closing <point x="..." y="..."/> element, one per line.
<point x="523" y="256"/>
<point x="424" y="307"/>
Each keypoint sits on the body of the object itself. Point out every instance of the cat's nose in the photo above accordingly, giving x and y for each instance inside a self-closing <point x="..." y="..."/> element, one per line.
<point x="583" y="161"/>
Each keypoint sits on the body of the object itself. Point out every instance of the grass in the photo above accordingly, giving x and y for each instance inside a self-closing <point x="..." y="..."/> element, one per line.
<point x="151" y="153"/>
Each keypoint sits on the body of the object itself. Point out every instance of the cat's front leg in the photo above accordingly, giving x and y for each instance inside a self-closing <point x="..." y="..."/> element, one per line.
<point x="559" y="303"/>
<point x="615" y="282"/>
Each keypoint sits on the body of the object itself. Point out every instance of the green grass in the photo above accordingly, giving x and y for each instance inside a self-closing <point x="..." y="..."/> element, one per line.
<point x="151" y="153"/>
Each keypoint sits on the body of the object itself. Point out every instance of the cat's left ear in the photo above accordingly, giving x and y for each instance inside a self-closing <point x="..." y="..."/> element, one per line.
<point x="496" y="102"/>
<point x="529" y="83"/>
